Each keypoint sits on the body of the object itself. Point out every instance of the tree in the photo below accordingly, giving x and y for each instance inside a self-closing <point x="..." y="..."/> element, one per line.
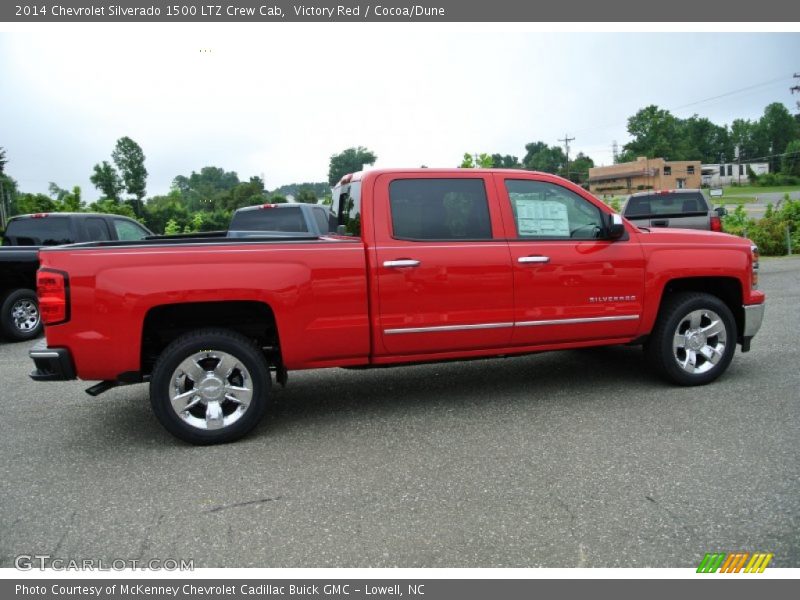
<point x="349" y="161"/>
<point x="34" y="203"/>
<point x="704" y="140"/>
<point x="656" y="133"/>
<point x="209" y="189"/>
<point x="106" y="179"/>
<point x="3" y="161"/>
<point x="66" y="200"/>
<point x="500" y="161"/>
<point x="579" y="168"/>
<point x="778" y="128"/>
<point x="306" y="196"/>
<point x="476" y="161"/>
<point x="790" y="165"/>
<point x="129" y="158"/>
<point x="541" y="157"/>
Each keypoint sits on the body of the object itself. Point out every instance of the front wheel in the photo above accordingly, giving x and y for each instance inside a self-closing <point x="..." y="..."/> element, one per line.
<point x="694" y="339"/>
<point x="19" y="316"/>
<point x="210" y="386"/>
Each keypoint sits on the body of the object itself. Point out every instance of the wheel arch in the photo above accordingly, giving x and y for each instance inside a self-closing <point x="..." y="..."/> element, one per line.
<point x="165" y="323"/>
<point x="727" y="289"/>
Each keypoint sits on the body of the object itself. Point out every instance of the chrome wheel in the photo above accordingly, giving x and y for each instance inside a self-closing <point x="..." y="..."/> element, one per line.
<point x="210" y="390"/>
<point x="699" y="341"/>
<point x="25" y="315"/>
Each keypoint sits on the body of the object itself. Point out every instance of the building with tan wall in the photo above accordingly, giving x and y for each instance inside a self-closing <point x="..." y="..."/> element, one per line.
<point x="644" y="174"/>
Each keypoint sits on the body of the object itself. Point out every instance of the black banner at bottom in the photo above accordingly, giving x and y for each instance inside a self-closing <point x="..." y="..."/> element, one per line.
<point x="732" y="587"/>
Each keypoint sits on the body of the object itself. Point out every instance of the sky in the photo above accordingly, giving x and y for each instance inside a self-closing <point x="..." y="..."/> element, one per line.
<point x="277" y="101"/>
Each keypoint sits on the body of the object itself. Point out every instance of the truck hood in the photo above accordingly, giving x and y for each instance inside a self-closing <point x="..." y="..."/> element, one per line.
<point x="690" y="236"/>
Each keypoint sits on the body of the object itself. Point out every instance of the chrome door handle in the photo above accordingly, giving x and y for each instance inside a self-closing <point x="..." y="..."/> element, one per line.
<point x="404" y="262"/>
<point x="533" y="259"/>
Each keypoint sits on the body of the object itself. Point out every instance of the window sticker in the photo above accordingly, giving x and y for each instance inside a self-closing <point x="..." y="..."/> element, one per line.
<point x="542" y="218"/>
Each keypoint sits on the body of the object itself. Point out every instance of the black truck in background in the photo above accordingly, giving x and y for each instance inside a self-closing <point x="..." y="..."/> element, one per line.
<point x="19" y="259"/>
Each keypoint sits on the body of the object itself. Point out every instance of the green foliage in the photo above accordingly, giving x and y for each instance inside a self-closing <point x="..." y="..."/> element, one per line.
<point x="129" y="158"/>
<point x="541" y="157"/>
<point x="113" y="207"/>
<point x="306" y="196"/>
<point x="106" y="179"/>
<point x="3" y="161"/>
<point x="579" y="168"/>
<point x="320" y="188"/>
<point x="507" y="161"/>
<point x="34" y="203"/>
<point x="172" y="227"/>
<point x="477" y="161"/>
<point x="790" y="165"/>
<point x="66" y="200"/>
<point x="615" y="204"/>
<point x="349" y="161"/>
<point x="768" y="233"/>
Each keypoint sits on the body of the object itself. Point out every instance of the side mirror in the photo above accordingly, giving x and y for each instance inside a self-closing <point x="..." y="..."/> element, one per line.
<point x="721" y="211"/>
<point x="615" y="229"/>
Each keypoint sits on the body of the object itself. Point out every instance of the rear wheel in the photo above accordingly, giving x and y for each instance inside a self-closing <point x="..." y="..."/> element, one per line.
<point x="694" y="339"/>
<point x="19" y="316"/>
<point x="210" y="386"/>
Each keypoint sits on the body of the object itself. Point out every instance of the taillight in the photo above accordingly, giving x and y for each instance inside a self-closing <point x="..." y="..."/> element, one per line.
<point x="754" y="278"/>
<point x="716" y="224"/>
<point x="52" y="287"/>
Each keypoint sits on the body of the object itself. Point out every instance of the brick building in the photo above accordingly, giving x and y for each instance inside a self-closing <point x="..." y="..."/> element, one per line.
<point x="644" y="174"/>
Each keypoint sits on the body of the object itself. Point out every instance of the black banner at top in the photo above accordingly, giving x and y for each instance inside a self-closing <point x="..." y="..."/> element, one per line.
<point x="397" y="11"/>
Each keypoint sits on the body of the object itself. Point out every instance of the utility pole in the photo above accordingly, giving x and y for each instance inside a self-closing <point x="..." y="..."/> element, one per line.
<point x="796" y="88"/>
<point x="566" y="141"/>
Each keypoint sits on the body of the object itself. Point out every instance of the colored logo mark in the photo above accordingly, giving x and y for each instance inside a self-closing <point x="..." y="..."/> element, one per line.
<point x="734" y="562"/>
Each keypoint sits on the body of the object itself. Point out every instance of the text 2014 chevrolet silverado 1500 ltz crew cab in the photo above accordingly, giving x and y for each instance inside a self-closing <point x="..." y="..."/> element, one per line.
<point x="426" y="265"/>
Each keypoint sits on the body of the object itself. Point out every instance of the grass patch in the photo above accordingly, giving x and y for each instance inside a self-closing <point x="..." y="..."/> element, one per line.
<point x="756" y="190"/>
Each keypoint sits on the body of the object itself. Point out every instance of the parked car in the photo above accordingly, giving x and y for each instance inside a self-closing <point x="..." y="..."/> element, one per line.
<point x="437" y="264"/>
<point x="686" y="209"/>
<point x="19" y="259"/>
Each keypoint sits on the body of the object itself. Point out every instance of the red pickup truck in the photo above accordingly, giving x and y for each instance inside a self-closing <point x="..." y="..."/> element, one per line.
<point x="420" y="265"/>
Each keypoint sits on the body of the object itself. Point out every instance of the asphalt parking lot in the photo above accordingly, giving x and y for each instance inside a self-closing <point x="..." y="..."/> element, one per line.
<point x="559" y="460"/>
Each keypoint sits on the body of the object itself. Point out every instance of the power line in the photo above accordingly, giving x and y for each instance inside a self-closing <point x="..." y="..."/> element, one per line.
<point x="566" y="141"/>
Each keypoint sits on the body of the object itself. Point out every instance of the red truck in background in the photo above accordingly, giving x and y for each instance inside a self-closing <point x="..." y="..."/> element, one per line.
<point x="420" y="265"/>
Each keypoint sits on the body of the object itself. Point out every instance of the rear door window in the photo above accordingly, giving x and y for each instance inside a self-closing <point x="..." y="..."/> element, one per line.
<point x="96" y="230"/>
<point x="439" y="209"/>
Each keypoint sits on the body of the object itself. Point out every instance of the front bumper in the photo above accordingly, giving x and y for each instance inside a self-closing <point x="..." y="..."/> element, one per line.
<point x="753" y="315"/>
<point x="52" y="364"/>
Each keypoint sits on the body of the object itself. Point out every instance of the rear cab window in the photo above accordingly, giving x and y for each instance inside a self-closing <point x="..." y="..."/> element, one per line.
<point x="666" y="204"/>
<point x="286" y="219"/>
<point x="45" y="230"/>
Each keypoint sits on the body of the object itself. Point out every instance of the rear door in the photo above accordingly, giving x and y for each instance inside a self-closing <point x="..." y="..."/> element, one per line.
<point x="570" y="285"/>
<point x="443" y="270"/>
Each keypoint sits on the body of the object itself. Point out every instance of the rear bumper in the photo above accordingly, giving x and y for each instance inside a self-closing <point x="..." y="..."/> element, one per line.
<point x="753" y="315"/>
<point x="52" y="364"/>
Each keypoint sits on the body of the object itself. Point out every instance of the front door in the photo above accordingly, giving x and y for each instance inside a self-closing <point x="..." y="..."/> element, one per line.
<point x="570" y="284"/>
<point x="444" y="274"/>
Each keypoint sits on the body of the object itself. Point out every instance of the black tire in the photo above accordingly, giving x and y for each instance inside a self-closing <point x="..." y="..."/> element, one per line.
<point x="210" y="341"/>
<point x="675" y="313"/>
<point x="13" y="327"/>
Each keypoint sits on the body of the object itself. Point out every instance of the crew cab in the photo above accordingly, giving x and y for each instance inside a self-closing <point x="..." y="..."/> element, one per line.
<point x="19" y="259"/>
<point x="425" y="265"/>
